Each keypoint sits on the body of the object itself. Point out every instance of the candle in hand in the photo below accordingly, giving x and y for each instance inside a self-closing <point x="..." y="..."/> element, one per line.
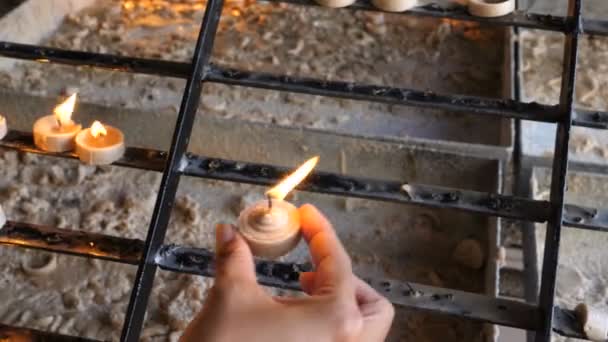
<point x="272" y="227"/>
<point x="100" y="144"/>
<point x="55" y="133"/>
<point x="3" y="127"/>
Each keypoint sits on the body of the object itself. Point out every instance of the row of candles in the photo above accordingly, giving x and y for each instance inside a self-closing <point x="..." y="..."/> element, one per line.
<point x="97" y="145"/>
<point x="479" y="8"/>
<point x="271" y="227"/>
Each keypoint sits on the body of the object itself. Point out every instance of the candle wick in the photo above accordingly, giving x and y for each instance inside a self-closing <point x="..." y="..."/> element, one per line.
<point x="269" y="202"/>
<point x="58" y="122"/>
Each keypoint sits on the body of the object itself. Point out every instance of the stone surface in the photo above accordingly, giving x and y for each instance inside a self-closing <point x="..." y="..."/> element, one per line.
<point x="34" y="20"/>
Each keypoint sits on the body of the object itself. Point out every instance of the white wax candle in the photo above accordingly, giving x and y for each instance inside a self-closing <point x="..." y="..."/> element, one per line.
<point x="3" y="127"/>
<point x="100" y="144"/>
<point x="335" y="3"/>
<point x="395" y="5"/>
<point x="50" y="136"/>
<point x="487" y="9"/>
<point x="270" y="230"/>
<point x="55" y="133"/>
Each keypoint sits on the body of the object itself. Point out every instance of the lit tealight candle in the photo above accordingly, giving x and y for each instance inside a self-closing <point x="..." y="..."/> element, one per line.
<point x="272" y="227"/>
<point x="335" y="3"/>
<point x="100" y="144"/>
<point x="395" y="5"/>
<point x="55" y="133"/>
<point x="3" y="127"/>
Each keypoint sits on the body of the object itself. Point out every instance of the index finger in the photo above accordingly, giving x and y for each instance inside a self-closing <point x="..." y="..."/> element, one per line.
<point x="328" y="253"/>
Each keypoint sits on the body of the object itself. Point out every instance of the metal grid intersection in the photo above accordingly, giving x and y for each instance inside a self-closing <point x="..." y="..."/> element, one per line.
<point x="151" y="253"/>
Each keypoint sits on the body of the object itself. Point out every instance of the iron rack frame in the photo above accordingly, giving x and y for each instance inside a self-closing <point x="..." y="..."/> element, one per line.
<point x="152" y="253"/>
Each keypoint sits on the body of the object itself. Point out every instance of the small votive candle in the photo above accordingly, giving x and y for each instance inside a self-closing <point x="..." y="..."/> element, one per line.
<point x="3" y="127"/>
<point x="271" y="228"/>
<point x="100" y="144"/>
<point x="55" y="133"/>
<point x="395" y="5"/>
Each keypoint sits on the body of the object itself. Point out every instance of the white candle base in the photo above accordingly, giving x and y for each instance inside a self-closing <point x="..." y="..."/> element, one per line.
<point x="395" y="5"/>
<point x="100" y="150"/>
<point x="593" y="321"/>
<point x="335" y="3"/>
<point x="483" y="8"/>
<point x="3" y="127"/>
<point x="273" y="232"/>
<point x="2" y="218"/>
<point x="49" y="136"/>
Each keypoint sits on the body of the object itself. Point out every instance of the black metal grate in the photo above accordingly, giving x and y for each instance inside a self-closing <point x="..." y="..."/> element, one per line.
<point x="152" y="253"/>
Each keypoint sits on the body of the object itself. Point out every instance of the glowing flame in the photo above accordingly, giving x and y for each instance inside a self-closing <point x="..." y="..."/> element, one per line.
<point x="128" y="5"/>
<point x="63" y="112"/>
<point x="97" y="129"/>
<point x="281" y="190"/>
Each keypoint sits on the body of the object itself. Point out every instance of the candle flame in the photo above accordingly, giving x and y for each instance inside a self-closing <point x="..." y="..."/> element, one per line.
<point x="281" y="190"/>
<point x="97" y="129"/>
<point x="63" y="112"/>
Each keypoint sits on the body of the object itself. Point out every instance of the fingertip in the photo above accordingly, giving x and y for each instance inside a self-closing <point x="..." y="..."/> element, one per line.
<point x="312" y="221"/>
<point x="307" y="281"/>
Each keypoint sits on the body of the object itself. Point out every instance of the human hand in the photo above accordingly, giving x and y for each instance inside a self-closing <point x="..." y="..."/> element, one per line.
<point x="339" y="306"/>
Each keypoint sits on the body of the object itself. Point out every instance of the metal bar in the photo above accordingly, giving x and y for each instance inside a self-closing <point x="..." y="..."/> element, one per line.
<point x="321" y="182"/>
<point x="74" y="242"/>
<point x="330" y="183"/>
<point x="595" y="27"/>
<point x="559" y="175"/>
<point x="399" y="96"/>
<point x="9" y="333"/>
<point x="98" y="60"/>
<point x="458" y="303"/>
<point x="586" y="218"/>
<point x="270" y="273"/>
<point x="566" y="323"/>
<point x="199" y="261"/>
<point x="144" y="278"/>
<point x="100" y="246"/>
<point x="590" y="119"/>
<point x="138" y="158"/>
<point x="409" y="295"/>
<point x="237" y="171"/>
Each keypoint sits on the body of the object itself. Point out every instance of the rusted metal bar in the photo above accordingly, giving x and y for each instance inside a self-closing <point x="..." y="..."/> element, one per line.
<point x="200" y="261"/>
<point x="409" y="295"/>
<point x="18" y="334"/>
<point x="559" y="175"/>
<point x="73" y="242"/>
<point x="321" y="182"/>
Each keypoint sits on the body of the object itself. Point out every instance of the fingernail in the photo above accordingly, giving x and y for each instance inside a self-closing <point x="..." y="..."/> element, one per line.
<point x="225" y="233"/>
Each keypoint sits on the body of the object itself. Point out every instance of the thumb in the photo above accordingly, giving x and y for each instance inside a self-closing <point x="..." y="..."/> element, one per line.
<point x="234" y="262"/>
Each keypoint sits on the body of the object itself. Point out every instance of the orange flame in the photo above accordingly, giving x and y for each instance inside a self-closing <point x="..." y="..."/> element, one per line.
<point x="128" y="5"/>
<point x="97" y="129"/>
<point x="281" y="190"/>
<point x="63" y="112"/>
